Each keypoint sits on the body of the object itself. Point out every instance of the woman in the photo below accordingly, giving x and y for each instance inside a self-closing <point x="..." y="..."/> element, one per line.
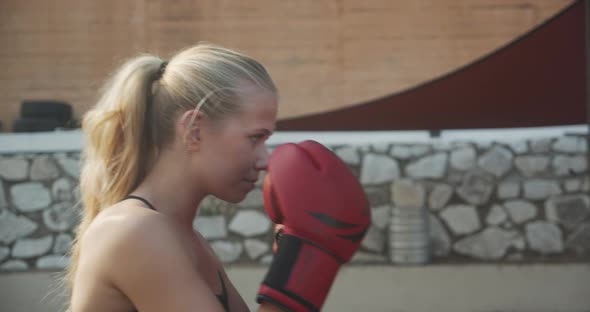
<point x="162" y="137"/>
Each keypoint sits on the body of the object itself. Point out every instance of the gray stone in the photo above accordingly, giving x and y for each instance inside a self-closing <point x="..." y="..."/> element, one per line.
<point x="32" y="247"/>
<point x="568" y="210"/>
<point x="497" y="215"/>
<point x="476" y="187"/>
<point x="62" y="190"/>
<point x="428" y="167"/>
<point x="567" y="165"/>
<point x="211" y="227"/>
<point x="571" y="145"/>
<point x="541" y="189"/>
<point x="13" y="227"/>
<point x="491" y="244"/>
<point x="585" y="187"/>
<point x="60" y="217"/>
<point x="14" y="169"/>
<point x="255" y="248"/>
<point x="63" y="243"/>
<point x="226" y="251"/>
<point x="515" y="257"/>
<point x="374" y="240"/>
<point x="44" y="168"/>
<point x="253" y="199"/>
<point x="572" y="185"/>
<point x="70" y="166"/>
<point x="58" y="262"/>
<point x="378" y="194"/>
<point x="266" y="259"/>
<point x="579" y="240"/>
<point x="361" y="257"/>
<point x="507" y="224"/>
<point x="497" y="161"/>
<point x="520" y="210"/>
<point x="531" y="165"/>
<point x="518" y="146"/>
<point x="544" y="237"/>
<point x="349" y="155"/>
<point x="440" y="241"/>
<point x="249" y="223"/>
<point x="378" y="169"/>
<point x="14" y="265"/>
<point x="519" y="243"/>
<point x="31" y="196"/>
<point x="463" y="159"/>
<point x="406" y="193"/>
<point x="508" y="189"/>
<point x="461" y="219"/>
<point x="380" y="216"/>
<point x="401" y="152"/>
<point x="541" y="145"/>
<point x="3" y="202"/>
<point x="77" y="195"/>
<point x="439" y="196"/>
<point x="4" y="253"/>
<point x="420" y="150"/>
<point x="441" y="146"/>
<point x="382" y="147"/>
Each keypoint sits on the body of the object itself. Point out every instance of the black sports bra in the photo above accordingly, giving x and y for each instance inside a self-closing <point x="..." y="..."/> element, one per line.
<point x="223" y="298"/>
<point x="145" y="201"/>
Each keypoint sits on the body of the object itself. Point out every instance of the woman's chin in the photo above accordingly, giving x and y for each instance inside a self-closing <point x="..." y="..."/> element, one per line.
<point x="235" y="198"/>
<point x="238" y="194"/>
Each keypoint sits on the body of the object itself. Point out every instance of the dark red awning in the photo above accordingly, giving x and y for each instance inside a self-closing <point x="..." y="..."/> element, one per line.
<point x="536" y="80"/>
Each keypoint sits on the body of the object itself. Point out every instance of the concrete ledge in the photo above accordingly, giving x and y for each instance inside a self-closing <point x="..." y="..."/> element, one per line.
<point x="41" y="142"/>
<point x="71" y="140"/>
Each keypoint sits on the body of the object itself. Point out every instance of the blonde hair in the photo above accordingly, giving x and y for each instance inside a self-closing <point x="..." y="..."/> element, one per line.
<point x="135" y="116"/>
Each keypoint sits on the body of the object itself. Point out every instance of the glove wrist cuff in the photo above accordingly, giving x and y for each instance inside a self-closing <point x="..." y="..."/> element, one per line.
<point x="300" y="275"/>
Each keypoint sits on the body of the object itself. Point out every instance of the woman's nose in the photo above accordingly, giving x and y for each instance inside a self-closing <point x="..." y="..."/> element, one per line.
<point x="262" y="159"/>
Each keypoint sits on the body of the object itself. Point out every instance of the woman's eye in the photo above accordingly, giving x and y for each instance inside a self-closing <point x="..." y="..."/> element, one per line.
<point x="257" y="137"/>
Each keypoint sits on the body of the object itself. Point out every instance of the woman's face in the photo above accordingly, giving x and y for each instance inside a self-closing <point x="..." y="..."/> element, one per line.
<point x="233" y="152"/>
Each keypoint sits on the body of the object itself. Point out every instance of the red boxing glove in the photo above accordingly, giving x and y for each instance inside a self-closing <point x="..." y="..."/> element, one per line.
<point x="324" y="213"/>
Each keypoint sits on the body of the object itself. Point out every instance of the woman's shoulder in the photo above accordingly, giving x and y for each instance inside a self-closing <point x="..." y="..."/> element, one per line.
<point x="127" y="233"/>
<point x="125" y="220"/>
<point x="137" y="251"/>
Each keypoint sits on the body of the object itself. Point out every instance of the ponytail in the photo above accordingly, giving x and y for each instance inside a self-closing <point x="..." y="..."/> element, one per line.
<point x="117" y="142"/>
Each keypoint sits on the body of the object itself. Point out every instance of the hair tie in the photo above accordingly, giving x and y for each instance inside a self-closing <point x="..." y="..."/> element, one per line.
<point x="161" y="70"/>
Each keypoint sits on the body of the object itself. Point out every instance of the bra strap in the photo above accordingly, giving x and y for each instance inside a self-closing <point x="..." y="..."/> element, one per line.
<point x="145" y="201"/>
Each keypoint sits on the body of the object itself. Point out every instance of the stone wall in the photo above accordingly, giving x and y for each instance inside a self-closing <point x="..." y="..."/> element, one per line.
<point x="515" y="201"/>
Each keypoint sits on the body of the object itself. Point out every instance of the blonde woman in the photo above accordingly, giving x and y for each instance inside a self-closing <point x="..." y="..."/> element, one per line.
<point x="164" y="135"/>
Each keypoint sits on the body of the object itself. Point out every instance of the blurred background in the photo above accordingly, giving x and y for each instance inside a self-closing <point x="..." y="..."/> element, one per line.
<point x="323" y="55"/>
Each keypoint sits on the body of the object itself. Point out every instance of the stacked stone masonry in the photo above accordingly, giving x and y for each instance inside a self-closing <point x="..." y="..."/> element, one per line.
<point x="516" y="201"/>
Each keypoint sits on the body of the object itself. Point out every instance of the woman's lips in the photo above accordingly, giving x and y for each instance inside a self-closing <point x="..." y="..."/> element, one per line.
<point x="253" y="181"/>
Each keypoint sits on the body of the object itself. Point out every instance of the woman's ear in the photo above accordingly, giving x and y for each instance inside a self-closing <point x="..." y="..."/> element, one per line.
<point x="190" y="130"/>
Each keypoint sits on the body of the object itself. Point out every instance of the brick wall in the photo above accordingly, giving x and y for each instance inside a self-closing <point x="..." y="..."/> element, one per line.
<point x="322" y="54"/>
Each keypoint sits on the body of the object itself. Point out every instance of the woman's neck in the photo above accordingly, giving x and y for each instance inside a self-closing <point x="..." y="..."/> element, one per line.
<point x="171" y="191"/>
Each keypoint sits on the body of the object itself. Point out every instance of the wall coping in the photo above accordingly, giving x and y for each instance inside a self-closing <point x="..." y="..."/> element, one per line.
<point x="72" y="140"/>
